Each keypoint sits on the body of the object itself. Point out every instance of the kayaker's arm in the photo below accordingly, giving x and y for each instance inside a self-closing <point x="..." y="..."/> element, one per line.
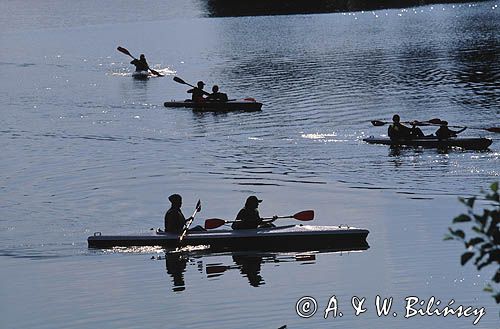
<point x="270" y="220"/>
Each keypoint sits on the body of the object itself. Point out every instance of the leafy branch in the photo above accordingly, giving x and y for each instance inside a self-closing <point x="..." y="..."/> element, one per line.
<point x="483" y="245"/>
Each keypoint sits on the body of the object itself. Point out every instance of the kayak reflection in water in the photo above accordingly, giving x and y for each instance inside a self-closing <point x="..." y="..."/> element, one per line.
<point x="140" y="64"/>
<point x="398" y="131"/>
<point x="198" y="93"/>
<point x="249" y="216"/>
<point x="444" y="132"/>
<point x="216" y="95"/>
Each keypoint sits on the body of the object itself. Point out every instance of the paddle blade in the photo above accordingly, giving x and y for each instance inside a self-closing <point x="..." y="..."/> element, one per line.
<point x="179" y="80"/>
<point x="378" y="123"/>
<point x="216" y="269"/>
<point x="214" y="223"/>
<point x="198" y="206"/>
<point x="304" y="215"/>
<point x="435" y="121"/>
<point x="493" y="129"/>
<point x="155" y="72"/>
<point x="123" y="50"/>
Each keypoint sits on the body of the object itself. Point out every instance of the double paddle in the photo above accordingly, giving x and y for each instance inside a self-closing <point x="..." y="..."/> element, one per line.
<point x="305" y="215"/>
<point x="126" y="52"/>
<point x="434" y="122"/>
<point x="179" y="80"/>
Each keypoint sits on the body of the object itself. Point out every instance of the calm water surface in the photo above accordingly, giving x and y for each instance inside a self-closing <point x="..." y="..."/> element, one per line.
<point x="86" y="148"/>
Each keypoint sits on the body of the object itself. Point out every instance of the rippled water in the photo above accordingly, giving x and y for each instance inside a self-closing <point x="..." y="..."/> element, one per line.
<point x="86" y="148"/>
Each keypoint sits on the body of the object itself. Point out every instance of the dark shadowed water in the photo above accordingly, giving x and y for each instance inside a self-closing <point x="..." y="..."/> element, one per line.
<point x="86" y="148"/>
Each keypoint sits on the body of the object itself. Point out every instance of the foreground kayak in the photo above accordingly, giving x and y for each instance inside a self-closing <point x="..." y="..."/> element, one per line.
<point x="478" y="143"/>
<point x="141" y="75"/>
<point x="285" y="238"/>
<point x="248" y="104"/>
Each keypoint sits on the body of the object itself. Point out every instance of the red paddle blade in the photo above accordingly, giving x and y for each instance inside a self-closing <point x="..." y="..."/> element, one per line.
<point x="493" y="129"/>
<point x="214" y="223"/>
<point x="304" y="215"/>
<point x="216" y="269"/>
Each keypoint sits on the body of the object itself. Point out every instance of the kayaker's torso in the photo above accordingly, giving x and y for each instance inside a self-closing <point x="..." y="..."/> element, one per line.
<point x="174" y="221"/>
<point x="246" y="219"/>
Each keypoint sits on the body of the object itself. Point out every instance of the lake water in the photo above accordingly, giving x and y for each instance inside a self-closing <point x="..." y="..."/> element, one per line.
<point x="86" y="148"/>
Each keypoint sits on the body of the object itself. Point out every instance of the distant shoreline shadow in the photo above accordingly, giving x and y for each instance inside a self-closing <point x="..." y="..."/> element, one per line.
<point x="228" y="8"/>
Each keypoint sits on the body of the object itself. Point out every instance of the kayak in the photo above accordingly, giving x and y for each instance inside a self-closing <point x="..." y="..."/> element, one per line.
<point x="478" y="143"/>
<point x="141" y="75"/>
<point x="284" y="238"/>
<point x="247" y="104"/>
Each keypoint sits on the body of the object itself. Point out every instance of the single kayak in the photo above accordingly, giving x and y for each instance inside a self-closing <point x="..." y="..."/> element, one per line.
<point x="284" y="238"/>
<point x="141" y="75"/>
<point x="247" y="104"/>
<point x="478" y="143"/>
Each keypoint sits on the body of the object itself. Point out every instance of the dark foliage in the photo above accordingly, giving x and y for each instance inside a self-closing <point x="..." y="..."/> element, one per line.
<point x="483" y="244"/>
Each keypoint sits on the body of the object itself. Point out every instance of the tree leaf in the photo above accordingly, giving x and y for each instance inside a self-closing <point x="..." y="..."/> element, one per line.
<point x="496" y="278"/>
<point x="447" y="237"/>
<point x="459" y="233"/>
<point x="466" y="257"/>
<point x="494" y="187"/>
<point x="474" y="241"/>
<point x="470" y="202"/>
<point x="461" y="219"/>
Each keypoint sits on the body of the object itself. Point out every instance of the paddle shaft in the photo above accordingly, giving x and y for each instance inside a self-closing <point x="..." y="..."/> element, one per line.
<point x="188" y="223"/>
<point x="306" y="215"/>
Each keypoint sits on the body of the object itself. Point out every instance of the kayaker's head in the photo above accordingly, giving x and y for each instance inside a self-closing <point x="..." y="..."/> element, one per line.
<point x="176" y="200"/>
<point x="142" y="57"/>
<point x="252" y="202"/>
<point x="200" y="84"/>
<point x="444" y="123"/>
<point x="395" y="118"/>
<point x="215" y="89"/>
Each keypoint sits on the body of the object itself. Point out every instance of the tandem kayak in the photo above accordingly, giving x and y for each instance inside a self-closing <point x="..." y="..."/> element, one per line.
<point x="285" y="238"/>
<point x="478" y="143"/>
<point x="247" y="104"/>
<point x="141" y="75"/>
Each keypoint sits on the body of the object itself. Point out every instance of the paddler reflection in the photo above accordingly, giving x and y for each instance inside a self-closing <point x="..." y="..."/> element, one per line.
<point x="175" y="263"/>
<point x="250" y="267"/>
<point x="248" y="264"/>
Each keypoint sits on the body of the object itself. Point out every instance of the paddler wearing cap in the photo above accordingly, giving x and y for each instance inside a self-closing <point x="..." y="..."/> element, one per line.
<point x="198" y="92"/>
<point x="249" y="217"/>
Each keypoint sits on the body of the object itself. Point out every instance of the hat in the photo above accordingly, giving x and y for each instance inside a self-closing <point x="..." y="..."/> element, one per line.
<point x="253" y="198"/>
<point x="175" y="197"/>
<point x="200" y="83"/>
